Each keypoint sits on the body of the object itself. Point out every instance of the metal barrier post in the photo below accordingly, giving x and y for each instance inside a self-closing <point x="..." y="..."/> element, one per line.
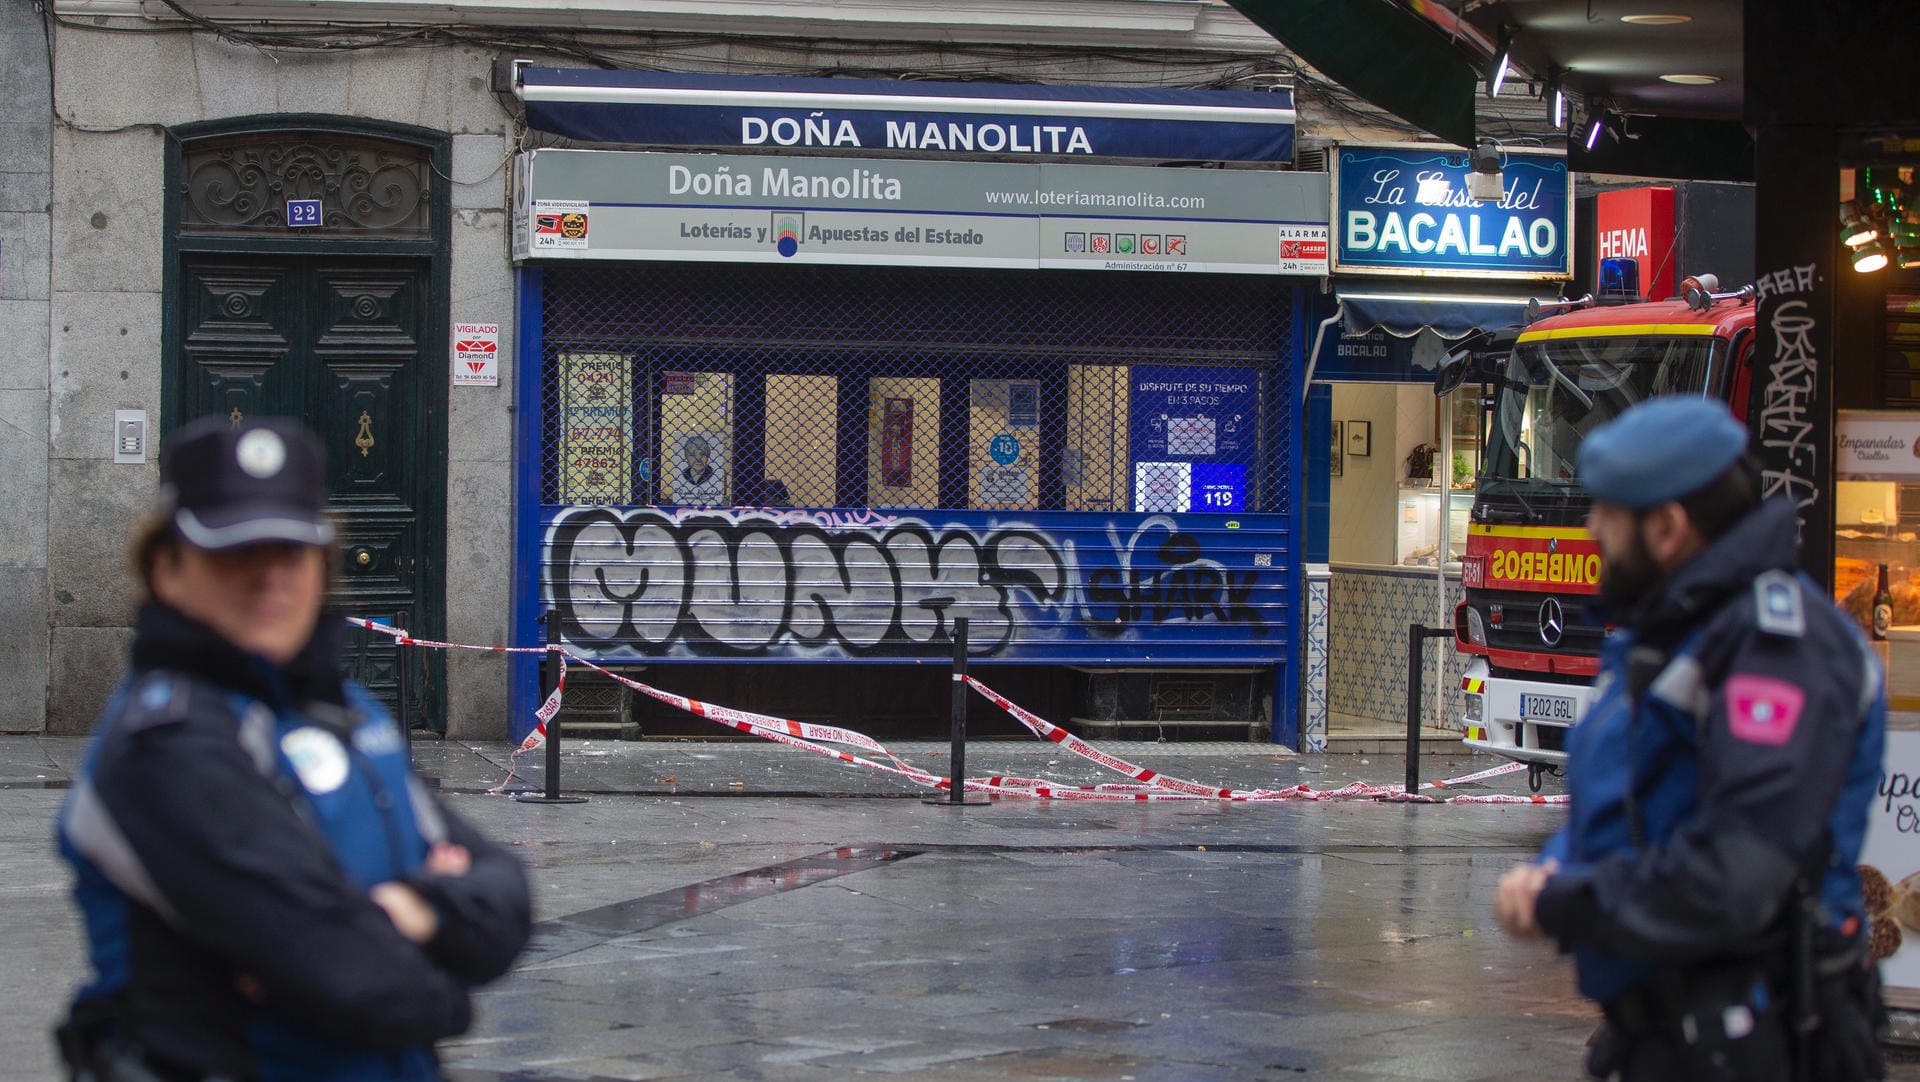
<point x="1416" y="672"/>
<point x="549" y="679"/>
<point x="957" y="756"/>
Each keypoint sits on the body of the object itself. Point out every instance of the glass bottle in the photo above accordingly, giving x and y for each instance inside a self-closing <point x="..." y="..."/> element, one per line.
<point x="1882" y="606"/>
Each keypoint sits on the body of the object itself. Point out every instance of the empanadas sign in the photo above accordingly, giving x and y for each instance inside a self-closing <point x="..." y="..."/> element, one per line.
<point x="1890" y="865"/>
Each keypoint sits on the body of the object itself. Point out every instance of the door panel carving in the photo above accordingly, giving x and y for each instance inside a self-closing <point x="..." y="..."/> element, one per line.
<point x="338" y="345"/>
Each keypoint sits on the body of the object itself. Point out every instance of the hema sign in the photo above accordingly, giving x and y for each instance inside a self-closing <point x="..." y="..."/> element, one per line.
<point x="1405" y="210"/>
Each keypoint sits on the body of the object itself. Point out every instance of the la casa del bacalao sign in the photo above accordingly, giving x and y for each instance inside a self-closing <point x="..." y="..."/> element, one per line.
<point x="1406" y="210"/>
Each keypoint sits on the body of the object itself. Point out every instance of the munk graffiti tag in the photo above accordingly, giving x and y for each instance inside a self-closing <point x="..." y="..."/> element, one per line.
<point x="647" y="583"/>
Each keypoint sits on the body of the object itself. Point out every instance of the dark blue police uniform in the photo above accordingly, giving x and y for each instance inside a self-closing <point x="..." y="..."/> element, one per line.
<point x="225" y="826"/>
<point x="1731" y="751"/>
<point x="232" y="816"/>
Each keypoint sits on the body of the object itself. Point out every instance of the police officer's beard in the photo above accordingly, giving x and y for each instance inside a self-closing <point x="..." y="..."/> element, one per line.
<point x="1628" y="578"/>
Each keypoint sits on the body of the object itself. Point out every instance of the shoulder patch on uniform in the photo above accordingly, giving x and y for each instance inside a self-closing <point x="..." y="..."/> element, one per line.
<point x="1763" y="709"/>
<point x="1779" y="610"/>
<point x="157" y="699"/>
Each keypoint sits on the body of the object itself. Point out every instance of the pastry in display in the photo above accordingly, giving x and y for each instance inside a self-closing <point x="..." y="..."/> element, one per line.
<point x="1884" y="938"/>
<point x="1882" y="900"/>
<point x="1906" y="901"/>
<point x="1876" y="889"/>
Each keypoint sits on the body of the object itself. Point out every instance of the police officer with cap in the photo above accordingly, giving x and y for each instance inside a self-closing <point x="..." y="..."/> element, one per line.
<point x="1705" y="880"/>
<point x="267" y="890"/>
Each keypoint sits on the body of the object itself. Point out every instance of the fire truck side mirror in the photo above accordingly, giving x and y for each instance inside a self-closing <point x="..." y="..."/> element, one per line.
<point x="1452" y="372"/>
<point x="1481" y="355"/>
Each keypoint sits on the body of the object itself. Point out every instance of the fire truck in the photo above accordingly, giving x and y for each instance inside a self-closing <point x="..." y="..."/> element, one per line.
<point x="1530" y="567"/>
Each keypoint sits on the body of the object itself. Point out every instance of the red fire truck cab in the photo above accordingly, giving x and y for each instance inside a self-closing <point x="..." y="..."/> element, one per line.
<point x="1530" y="567"/>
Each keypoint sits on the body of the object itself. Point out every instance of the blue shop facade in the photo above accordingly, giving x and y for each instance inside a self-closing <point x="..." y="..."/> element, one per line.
<point x="830" y="365"/>
<point x="1418" y="265"/>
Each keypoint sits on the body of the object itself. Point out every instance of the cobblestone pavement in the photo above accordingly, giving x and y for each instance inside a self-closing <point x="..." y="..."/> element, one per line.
<point x="723" y="910"/>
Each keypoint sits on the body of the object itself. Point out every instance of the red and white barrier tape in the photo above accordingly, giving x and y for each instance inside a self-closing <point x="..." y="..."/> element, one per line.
<point x="547" y="710"/>
<point x="1490" y="772"/>
<point x="1155" y="786"/>
<point x="542" y="715"/>
<point x="1146" y="784"/>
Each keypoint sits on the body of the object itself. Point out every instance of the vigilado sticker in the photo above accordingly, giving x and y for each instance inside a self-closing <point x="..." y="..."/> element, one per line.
<point x="317" y="757"/>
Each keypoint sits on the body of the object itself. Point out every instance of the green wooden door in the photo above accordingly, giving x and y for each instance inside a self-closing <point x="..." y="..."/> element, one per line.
<point x="340" y="344"/>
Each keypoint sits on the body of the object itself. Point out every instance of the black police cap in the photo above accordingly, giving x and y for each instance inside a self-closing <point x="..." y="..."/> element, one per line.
<point x="226" y="485"/>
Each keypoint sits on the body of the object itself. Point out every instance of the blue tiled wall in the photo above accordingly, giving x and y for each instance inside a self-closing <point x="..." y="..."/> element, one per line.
<point x="1368" y="613"/>
<point x="1313" y="724"/>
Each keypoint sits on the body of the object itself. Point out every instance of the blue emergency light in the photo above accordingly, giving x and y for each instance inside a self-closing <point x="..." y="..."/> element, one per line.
<point x="1619" y="280"/>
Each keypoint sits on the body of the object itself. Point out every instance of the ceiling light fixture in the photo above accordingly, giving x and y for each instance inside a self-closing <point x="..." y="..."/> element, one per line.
<point x="1484" y="183"/>
<point x="1855" y="229"/>
<point x="1690" y="80"/>
<point x="1601" y="119"/>
<point x="1905" y="235"/>
<point x="1881" y="223"/>
<point x="1656" y="20"/>
<point x="1558" y="94"/>
<point x="1870" y="257"/>
<point x="1502" y="61"/>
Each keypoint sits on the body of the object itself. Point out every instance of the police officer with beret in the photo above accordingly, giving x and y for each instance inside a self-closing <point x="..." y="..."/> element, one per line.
<point x="1705" y="880"/>
<point x="267" y="890"/>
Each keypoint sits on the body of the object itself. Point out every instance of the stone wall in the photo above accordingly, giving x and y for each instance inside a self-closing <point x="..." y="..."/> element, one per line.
<point x="115" y="95"/>
<point x="26" y="172"/>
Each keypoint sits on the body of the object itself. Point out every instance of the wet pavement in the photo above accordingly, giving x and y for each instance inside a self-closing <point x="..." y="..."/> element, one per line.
<point x="723" y="910"/>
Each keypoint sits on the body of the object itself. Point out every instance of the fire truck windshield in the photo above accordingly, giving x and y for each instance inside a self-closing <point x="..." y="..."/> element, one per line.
<point x="1554" y="391"/>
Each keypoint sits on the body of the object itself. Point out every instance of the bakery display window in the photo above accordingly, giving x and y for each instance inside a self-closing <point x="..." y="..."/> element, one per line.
<point x="1876" y="574"/>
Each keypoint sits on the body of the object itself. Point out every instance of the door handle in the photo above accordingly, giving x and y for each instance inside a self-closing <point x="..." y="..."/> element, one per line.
<point x="363" y="558"/>
<point x="364" y="440"/>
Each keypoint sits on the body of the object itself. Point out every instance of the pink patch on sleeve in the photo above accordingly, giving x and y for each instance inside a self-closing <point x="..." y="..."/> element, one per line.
<point x="1763" y="709"/>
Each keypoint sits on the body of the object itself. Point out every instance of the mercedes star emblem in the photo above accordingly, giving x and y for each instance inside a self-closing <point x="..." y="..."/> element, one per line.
<point x="1553" y="622"/>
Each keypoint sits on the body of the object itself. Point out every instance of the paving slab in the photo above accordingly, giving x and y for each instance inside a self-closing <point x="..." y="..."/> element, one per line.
<point x="817" y="922"/>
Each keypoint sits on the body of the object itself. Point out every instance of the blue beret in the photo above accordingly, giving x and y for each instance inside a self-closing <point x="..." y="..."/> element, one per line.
<point x="1660" y="449"/>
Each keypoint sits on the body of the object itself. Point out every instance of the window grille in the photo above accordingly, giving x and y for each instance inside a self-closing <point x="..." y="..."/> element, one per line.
<point x="834" y="387"/>
<point x="353" y="184"/>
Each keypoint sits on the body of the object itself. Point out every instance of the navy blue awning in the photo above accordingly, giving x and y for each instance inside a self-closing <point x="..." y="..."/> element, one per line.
<point x="1391" y="332"/>
<point x="812" y="115"/>
<point x="1450" y="312"/>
